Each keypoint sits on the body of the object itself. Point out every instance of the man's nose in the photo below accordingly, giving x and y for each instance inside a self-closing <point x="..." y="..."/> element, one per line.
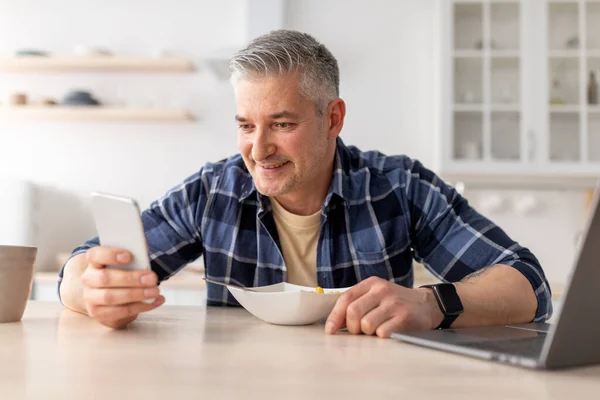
<point x="262" y="147"/>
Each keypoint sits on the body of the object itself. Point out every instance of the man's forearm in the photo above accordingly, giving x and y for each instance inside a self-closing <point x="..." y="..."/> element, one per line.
<point x="495" y="295"/>
<point x="71" y="288"/>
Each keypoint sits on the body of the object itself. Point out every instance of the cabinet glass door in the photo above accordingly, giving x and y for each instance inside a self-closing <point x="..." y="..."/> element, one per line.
<point x="573" y="37"/>
<point x="505" y="81"/>
<point x="468" y="95"/>
<point x="487" y="75"/>
<point x="593" y="52"/>
<point x="564" y="81"/>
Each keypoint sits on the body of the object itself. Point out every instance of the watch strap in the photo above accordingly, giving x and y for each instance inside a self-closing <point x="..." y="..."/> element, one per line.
<point x="448" y="318"/>
<point x="447" y="322"/>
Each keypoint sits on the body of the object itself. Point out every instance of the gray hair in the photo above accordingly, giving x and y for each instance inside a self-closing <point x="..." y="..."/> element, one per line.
<point x="283" y="52"/>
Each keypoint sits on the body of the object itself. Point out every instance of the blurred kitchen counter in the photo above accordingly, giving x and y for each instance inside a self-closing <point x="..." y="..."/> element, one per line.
<point x="184" y="288"/>
<point x="188" y="288"/>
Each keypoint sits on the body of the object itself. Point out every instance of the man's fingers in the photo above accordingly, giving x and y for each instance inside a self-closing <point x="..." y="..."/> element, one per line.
<point x="109" y="297"/>
<point x="358" y="309"/>
<point x="396" y="324"/>
<point x="107" y="315"/>
<point x="115" y="278"/>
<point x="337" y="317"/>
<point x="114" y="297"/>
<point x="376" y="317"/>
<point x="100" y="256"/>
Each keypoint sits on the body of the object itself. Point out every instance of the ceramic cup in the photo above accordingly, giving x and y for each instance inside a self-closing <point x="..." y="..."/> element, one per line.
<point x="16" y="276"/>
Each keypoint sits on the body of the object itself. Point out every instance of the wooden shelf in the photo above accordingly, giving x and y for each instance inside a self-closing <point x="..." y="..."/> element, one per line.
<point x="96" y="64"/>
<point x="95" y="113"/>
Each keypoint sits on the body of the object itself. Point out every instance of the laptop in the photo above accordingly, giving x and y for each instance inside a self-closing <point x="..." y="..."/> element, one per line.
<point x="571" y="340"/>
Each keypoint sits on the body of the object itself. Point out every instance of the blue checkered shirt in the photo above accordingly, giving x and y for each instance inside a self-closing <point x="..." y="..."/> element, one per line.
<point x="380" y="214"/>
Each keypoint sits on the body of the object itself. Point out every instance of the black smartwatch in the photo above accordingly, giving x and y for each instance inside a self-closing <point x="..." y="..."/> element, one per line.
<point x="449" y="302"/>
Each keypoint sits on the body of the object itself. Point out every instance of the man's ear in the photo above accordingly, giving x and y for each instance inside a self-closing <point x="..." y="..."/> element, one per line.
<point x="336" y="112"/>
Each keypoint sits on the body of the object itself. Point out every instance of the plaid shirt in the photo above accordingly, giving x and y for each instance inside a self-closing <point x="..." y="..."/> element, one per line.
<point x="380" y="213"/>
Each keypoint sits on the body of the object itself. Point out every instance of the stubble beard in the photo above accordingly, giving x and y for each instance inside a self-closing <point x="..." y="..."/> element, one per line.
<point x="288" y="185"/>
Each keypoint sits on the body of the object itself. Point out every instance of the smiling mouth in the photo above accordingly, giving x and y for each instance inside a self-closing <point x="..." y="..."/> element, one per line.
<point x="274" y="166"/>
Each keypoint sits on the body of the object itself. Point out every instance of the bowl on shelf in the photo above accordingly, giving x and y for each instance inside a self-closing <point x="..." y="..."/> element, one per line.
<point x="79" y="98"/>
<point x="31" y="53"/>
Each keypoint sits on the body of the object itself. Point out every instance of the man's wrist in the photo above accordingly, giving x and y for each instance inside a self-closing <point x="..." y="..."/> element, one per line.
<point x="436" y="315"/>
<point x="70" y="288"/>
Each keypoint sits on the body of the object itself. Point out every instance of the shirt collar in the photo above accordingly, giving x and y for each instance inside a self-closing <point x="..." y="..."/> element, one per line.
<point x="248" y="189"/>
<point x="340" y="183"/>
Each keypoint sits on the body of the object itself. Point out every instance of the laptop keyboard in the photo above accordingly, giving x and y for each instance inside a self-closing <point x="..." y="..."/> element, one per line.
<point x="527" y="347"/>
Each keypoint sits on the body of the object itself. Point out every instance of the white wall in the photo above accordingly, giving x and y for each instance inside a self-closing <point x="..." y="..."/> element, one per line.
<point x="387" y="52"/>
<point x="67" y="160"/>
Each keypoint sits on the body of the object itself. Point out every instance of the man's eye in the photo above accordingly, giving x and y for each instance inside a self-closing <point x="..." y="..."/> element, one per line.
<point x="245" y="127"/>
<point x="284" y="125"/>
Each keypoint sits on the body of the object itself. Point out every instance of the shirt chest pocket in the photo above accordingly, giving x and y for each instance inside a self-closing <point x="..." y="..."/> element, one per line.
<point x="384" y="263"/>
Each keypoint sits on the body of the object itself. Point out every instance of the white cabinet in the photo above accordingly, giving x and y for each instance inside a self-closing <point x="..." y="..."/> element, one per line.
<point x="519" y="97"/>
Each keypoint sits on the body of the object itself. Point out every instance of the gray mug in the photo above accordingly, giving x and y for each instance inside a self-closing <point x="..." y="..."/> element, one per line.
<point x="16" y="277"/>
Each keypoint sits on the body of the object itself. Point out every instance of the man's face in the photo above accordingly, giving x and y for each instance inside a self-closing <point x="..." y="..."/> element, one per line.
<point x="281" y="138"/>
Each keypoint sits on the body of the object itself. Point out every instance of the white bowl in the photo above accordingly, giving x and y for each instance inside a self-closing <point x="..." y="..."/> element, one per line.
<point x="286" y="303"/>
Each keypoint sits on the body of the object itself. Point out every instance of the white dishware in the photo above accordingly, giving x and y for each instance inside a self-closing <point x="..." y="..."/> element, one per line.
<point x="287" y="304"/>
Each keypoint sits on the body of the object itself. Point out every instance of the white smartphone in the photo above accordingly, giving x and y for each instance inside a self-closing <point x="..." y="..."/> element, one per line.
<point x="119" y="225"/>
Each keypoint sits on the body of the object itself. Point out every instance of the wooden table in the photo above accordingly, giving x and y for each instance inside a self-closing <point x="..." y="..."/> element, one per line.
<point x="193" y="352"/>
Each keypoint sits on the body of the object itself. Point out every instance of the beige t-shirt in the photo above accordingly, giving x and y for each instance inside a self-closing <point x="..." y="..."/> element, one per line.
<point x="298" y="236"/>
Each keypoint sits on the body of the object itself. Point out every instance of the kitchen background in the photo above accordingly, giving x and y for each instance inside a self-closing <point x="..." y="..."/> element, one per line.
<point x="460" y="85"/>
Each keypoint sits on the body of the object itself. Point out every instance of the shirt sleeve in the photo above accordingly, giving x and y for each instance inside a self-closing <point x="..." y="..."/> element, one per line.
<point x="171" y="225"/>
<point x="452" y="240"/>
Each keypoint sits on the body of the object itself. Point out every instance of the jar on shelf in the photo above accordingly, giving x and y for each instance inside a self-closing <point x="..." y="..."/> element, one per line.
<point x="555" y="93"/>
<point x="17" y="99"/>
<point x="592" y="91"/>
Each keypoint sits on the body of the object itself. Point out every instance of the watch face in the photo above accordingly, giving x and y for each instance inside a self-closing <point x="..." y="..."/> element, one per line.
<point x="450" y="299"/>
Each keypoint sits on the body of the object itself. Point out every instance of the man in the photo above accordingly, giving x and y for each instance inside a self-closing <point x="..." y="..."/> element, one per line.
<point x="297" y="205"/>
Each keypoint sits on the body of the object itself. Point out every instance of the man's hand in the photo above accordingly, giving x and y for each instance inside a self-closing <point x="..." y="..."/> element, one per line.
<point x="115" y="297"/>
<point x="377" y="306"/>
